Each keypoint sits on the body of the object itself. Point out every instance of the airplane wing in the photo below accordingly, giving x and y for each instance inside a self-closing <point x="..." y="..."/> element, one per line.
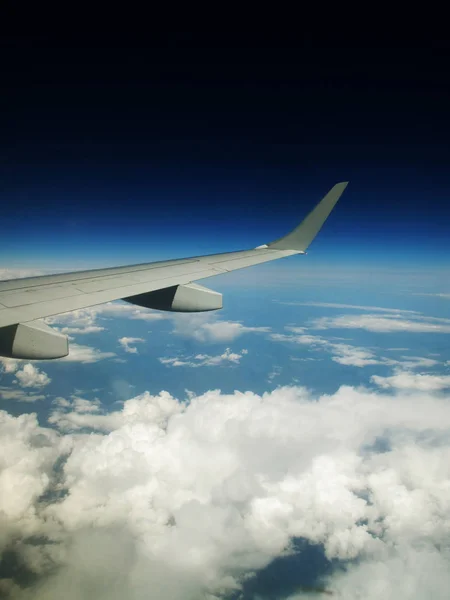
<point x="166" y="285"/>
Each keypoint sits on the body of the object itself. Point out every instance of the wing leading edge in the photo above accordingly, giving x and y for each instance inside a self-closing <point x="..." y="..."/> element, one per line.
<point x="25" y="300"/>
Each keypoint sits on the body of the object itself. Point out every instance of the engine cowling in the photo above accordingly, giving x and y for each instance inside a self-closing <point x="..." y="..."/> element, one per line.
<point x="179" y="298"/>
<point x="33" y="341"/>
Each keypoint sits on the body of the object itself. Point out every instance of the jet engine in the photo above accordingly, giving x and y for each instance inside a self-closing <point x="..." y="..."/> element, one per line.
<point x="179" y="298"/>
<point x="33" y="340"/>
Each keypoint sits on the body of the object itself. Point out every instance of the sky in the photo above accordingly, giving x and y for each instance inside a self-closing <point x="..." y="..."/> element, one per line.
<point x="293" y="445"/>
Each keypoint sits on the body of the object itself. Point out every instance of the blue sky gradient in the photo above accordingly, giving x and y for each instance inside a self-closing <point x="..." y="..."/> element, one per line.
<point x="169" y="146"/>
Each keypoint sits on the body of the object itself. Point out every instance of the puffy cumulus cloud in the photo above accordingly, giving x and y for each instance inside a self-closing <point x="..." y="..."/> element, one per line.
<point x="179" y="500"/>
<point x="9" y="365"/>
<point x="206" y="360"/>
<point x="31" y="376"/>
<point x="28" y="455"/>
<point x="127" y="344"/>
<point x="405" y="380"/>
<point x="406" y="572"/>
<point x="384" y="323"/>
<point x="205" y="327"/>
<point x="78" y="404"/>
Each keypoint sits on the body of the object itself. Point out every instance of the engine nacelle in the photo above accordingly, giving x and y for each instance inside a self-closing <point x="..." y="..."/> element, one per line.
<point x="32" y="340"/>
<point x="179" y="298"/>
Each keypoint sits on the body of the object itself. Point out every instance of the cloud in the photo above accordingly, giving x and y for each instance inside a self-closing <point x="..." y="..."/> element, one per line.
<point x="405" y="380"/>
<point x="7" y="273"/>
<point x="80" y="405"/>
<point x="205" y="360"/>
<point x="352" y="306"/>
<point x="415" y="362"/>
<point x="93" y="318"/>
<point x="78" y="420"/>
<point x="85" y="354"/>
<point x="353" y="356"/>
<point x="276" y="372"/>
<point x="9" y="365"/>
<point x="31" y="376"/>
<point x="29" y="453"/>
<point x="130" y="311"/>
<point x="440" y="295"/>
<point x="382" y="324"/>
<point x="204" y="327"/>
<point x="19" y="395"/>
<point x="344" y="354"/>
<point x="181" y="499"/>
<point x="126" y="341"/>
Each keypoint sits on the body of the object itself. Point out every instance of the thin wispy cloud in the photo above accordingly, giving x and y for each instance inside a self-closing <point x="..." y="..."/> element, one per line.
<point x="352" y="306"/>
<point x="380" y="324"/>
<point x="405" y="380"/>
<point x="205" y="360"/>
<point x="19" y="395"/>
<point x="348" y="354"/>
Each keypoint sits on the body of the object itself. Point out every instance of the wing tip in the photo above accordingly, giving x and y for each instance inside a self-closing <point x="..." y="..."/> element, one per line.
<point x="302" y="236"/>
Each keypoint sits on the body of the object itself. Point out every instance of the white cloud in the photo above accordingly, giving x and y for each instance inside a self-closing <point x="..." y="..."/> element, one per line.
<point x="440" y="295"/>
<point x="382" y="324"/>
<point x="352" y="306"/>
<point x="28" y="454"/>
<point x="415" y="362"/>
<point x="74" y="421"/>
<point x="31" y="376"/>
<point x="7" y="273"/>
<point x="126" y="342"/>
<point x="93" y="318"/>
<point x="344" y="354"/>
<point x="85" y="406"/>
<point x="353" y="355"/>
<point x="9" y="365"/>
<point x="122" y="309"/>
<point x="186" y="498"/>
<point x="405" y="380"/>
<point x="204" y="327"/>
<point x="19" y="395"/>
<point x="276" y="372"/>
<point x="85" y="354"/>
<point x="205" y="360"/>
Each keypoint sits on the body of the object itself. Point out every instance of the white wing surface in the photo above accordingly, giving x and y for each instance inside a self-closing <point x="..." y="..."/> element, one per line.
<point x="163" y="285"/>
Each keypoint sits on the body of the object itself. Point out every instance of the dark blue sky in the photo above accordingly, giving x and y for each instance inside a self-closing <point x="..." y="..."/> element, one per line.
<point x="118" y="149"/>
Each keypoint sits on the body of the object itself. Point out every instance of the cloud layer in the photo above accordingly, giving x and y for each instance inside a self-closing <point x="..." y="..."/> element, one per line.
<point x="170" y="499"/>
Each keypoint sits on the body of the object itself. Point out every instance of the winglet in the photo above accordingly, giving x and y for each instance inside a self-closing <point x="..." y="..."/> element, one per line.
<point x="301" y="237"/>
